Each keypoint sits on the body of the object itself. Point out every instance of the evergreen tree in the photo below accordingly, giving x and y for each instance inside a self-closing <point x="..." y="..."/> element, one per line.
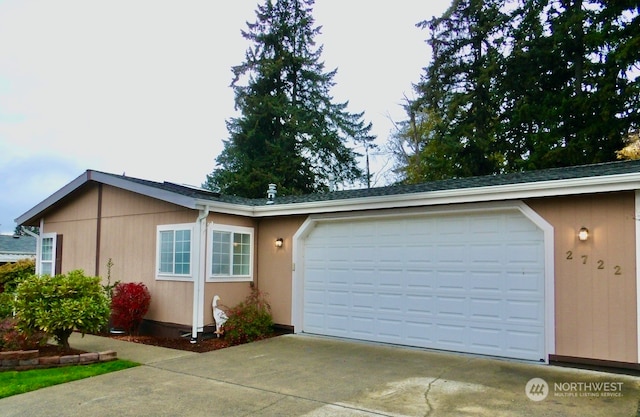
<point x="460" y="85"/>
<point x="290" y="132"/>
<point x="528" y="84"/>
<point x="416" y="154"/>
<point x="571" y="96"/>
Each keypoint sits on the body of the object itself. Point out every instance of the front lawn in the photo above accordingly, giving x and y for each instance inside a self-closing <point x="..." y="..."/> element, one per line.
<point x="18" y="382"/>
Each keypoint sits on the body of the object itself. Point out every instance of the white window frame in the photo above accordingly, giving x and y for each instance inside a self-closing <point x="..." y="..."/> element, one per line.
<point x="229" y="277"/>
<point x="52" y="261"/>
<point x="165" y="276"/>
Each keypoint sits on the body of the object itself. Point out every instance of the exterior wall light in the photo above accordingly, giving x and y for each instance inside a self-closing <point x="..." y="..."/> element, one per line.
<point x="583" y="234"/>
<point x="279" y="242"/>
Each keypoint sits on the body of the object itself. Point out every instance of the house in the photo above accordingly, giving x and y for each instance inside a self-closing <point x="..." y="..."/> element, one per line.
<point x="16" y="247"/>
<point x="538" y="266"/>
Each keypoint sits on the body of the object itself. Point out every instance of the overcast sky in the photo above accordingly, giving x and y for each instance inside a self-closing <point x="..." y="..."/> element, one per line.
<point x="142" y="86"/>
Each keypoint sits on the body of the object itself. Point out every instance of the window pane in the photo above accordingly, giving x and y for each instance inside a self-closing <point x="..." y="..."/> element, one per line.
<point x="166" y="252"/>
<point x="46" y="268"/>
<point x="221" y="249"/>
<point x="183" y="252"/>
<point x="241" y="253"/>
<point x="47" y="249"/>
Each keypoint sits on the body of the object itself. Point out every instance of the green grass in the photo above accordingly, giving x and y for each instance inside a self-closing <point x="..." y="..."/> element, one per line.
<point x="18" y="382"/>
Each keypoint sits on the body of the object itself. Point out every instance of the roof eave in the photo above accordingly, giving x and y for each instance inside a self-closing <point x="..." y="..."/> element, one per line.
<point x="552" y="188"/>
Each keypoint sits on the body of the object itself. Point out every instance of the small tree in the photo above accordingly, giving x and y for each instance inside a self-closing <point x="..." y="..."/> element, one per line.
<point x="60" y="304"/>
<point x="129" y="303"/>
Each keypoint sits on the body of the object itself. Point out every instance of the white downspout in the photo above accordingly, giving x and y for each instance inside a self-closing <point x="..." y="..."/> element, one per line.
<point x="199" y="275"/>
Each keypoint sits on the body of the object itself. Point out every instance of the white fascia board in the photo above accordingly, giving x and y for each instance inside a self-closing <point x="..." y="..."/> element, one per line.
<point x="52" y="199"/>
<point x="556" y="188"/>
<point x="226" y="208"/>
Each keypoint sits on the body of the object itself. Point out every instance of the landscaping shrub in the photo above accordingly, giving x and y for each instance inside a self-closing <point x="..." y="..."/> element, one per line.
<point x="250" y="320"/>
<point x="60" y="304"/>
<point x="12" y="273"/>
<point x="129" y="303"/>
<point x="6" y="305"/>
<point x="11" y="338"/>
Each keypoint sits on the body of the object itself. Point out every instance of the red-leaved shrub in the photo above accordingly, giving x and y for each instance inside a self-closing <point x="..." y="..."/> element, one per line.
<point x="129" y="304"/>
<point x="11" y="338"/>
<point x="250" y="320"/>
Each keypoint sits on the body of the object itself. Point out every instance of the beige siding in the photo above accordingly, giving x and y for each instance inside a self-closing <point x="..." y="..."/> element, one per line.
<point x="76" y="220"/>
<point x="595" y="281"/>
<point x="128" y="238"/>
<point x="275" y="264"/>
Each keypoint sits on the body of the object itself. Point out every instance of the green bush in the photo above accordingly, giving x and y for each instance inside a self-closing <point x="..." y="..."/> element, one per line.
<point x="250" y="320"/>
<point x="11" y="274"/>
<point x="60" y="304"/>
<point x="6" y="305"/>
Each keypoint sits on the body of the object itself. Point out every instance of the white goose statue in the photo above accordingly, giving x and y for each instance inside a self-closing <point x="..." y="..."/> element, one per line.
<point x="218" y="315"/>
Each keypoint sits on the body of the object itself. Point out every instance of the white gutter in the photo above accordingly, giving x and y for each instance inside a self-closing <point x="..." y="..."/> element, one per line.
<point x="552" y="188"/>
<point x="199" y="274"/>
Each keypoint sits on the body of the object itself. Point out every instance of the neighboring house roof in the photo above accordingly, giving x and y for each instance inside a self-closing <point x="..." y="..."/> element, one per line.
<point x="604" y="177"/>
<point x="14" y="248"/>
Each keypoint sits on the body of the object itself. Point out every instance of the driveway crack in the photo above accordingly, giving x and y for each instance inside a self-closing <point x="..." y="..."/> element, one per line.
<point x="427" y="399"/>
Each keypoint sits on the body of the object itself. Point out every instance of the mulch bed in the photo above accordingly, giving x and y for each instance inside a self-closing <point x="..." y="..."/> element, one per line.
<point x="205" y="345"/>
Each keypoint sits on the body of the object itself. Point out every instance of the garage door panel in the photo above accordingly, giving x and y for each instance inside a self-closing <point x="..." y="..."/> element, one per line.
<point x="467" y="282"/>
<point x="448" y="306"/>
<point x="486" y="340"/>
<point x="420" y="304"/>
<point x="450" y="254"/>
<point x="486" y="254"/>
<point x="419" y="280"/>
<point x="487" y="282"/>
<point x="362" y="278"/>
<point x="525" y="283"/>
<point x="486" y="309"/>
<point x="525" y="343"/>
<point x="451" y="280"/>
<point x="523" y="254"/>
<point x="363" y="327"/>
<point x="524" y="311"/>
<point x="451" y="336"/>
<point x="390" y="278"/>
<point x="362" y="301"/>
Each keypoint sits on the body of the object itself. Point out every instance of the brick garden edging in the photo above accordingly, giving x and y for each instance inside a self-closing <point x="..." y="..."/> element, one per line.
<point x="22" y="360"/>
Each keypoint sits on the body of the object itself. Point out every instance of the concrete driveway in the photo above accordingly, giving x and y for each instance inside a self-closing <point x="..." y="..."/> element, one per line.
<point x="298" y="375"/>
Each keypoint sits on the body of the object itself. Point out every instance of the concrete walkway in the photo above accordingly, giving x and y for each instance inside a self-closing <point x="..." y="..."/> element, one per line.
<point x="298" y="375"/>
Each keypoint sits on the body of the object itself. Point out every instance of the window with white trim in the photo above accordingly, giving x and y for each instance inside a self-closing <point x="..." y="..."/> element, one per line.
<point x="230" y="253"/>
<point x="47" y="254"/>
<point x="174" y="256"/>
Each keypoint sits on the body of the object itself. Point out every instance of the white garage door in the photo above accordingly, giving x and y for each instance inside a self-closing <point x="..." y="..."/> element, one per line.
<point x="463" y="282"/>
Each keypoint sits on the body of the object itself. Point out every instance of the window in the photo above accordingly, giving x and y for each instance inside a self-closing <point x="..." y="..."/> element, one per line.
<point x="174" y="256"/>
<point x="47" y="254"/>
<point x="230" y="253"/>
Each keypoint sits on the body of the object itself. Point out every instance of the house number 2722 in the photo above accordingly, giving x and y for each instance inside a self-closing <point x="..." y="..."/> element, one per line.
<point x="617" y="270"/>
